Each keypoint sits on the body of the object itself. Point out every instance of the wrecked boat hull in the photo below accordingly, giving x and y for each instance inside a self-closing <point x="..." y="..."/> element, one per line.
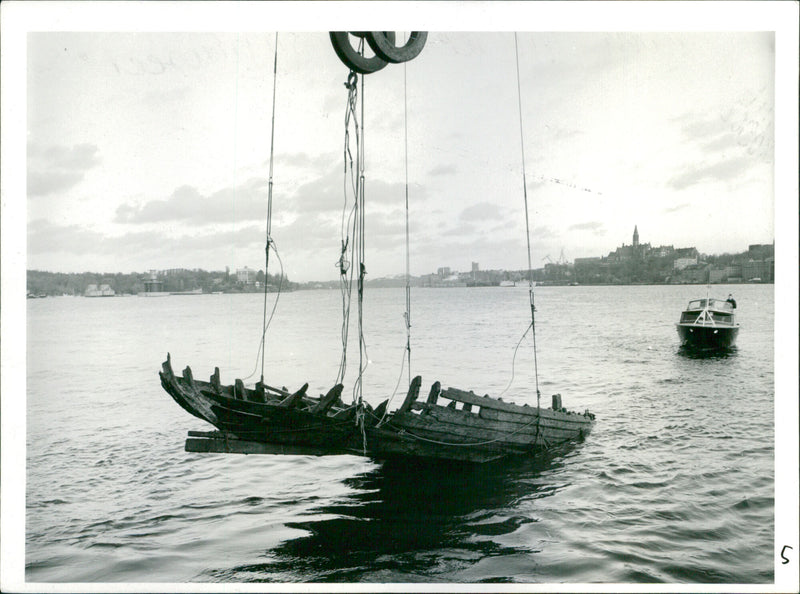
<point x="451" y="425"/>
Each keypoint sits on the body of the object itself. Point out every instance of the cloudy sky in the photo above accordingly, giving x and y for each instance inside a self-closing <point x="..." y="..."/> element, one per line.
<point x="151" y="150"/>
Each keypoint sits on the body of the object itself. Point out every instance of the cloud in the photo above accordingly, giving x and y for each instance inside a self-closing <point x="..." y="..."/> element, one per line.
<point x="732" y="142"/>
<point x="677" y="208"/>
<point x="467" y="230"/>
<point x="58" y="168"/>
<point x="46" y="237"/>
<point x="595" y="226"/>
<point x="306" y="161"/>
<point x="321" y="194"/>
<point x="326" y="194"/>
<point x="443" y="170"/>
<point x="320" y="199"/>
<point x="246" y="202"/>
<point x="720" y="143"/>
<point x="740" y="128"/>
<point x="698" y="127"/>
<point x="482" y="211"/>
<point x="318" y="232"/>
<point x="42" y="183"/>
<point x="726" y="171"/>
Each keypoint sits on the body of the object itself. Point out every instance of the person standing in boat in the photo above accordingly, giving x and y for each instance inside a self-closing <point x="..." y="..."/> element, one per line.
<point x="731" y="300"/>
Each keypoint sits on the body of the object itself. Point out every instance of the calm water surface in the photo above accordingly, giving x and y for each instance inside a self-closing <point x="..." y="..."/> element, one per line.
<point x="675" y="483"/>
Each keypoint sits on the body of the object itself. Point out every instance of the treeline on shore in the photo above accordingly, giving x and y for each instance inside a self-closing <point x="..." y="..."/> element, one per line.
<point x="75" y="283"/>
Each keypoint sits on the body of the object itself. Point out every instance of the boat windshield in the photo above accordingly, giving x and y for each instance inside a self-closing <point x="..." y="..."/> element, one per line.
<point x="717" y="304"/>
<point x="720" y="304"/>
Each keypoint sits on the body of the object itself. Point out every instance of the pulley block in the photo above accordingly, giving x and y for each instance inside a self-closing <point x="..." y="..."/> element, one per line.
<point x="382" y="43"/>
<point x="350" y="56"/>
<point x="384" y="47"/>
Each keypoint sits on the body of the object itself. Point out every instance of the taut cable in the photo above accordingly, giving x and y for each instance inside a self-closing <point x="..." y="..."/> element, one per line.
<point x="527" y="224"/>
<point x="269" y="210"/>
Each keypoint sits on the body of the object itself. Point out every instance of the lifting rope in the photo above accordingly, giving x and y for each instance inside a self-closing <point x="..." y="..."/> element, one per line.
<point x="269" y="242"/>
<point x="407" y="315"/>
<point x="353" y="248"/>
<point x="354" y="224"/>
<point x="345" y="269"/>
<point x="527" y="227"/>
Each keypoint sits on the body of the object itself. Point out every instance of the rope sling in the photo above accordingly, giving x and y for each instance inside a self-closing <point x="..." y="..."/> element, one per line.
<point x="354" y="223"/>
<point x="353" y="248"/>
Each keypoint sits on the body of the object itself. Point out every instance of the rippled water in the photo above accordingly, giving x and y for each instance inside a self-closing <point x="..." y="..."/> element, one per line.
<point x="675" y="484"/>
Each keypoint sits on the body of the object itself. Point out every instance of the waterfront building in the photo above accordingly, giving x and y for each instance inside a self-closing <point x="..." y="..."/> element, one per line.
<point x="683" y="263"/>
<point x="759" y="270"/>
<point x="246" y="276"/>
<point x="102" y="291"/>
<point x="153" y="286"/>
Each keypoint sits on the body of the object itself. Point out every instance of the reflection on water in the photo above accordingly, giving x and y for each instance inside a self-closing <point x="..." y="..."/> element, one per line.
<point x="409" y="521"/>
<point x="690" y="352"/>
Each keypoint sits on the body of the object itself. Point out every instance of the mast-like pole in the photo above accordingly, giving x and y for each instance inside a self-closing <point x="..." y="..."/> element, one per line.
<point x="269" y="208"/>
<point x="527" y="225"/>
<point x="361" y="243"/>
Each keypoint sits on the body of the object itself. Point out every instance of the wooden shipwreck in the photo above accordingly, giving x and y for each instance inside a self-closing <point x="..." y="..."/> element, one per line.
<point x="450" y="424"/>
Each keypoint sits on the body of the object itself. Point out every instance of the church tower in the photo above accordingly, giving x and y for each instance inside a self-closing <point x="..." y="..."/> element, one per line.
<point x="635" y="236"/>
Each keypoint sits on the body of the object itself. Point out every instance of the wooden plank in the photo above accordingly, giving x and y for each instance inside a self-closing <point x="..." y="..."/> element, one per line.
<point x="258" y="408"/>
<point x="449" y="424"/>
<point x="215" y="381"/>
<point x="466" y="422"/>
<point x="215" y="433"/>
<point x="380" y="411"/>
<point x="260" y="395"/>
<point x="448" y="428"/>
<point x="485" y="402"/>
<point x="549" y="416"/>
<point x="345" y="414"/>
<point x="277" y="390"/>
<point x="386" y="444"/>
<point x="325" y="403"/>
<point x="187" y="376"/>
<point x="293" y="400"/>
<point x="166" y="367"/>
<point x="240" y="446"/>
<point x="433" y="395"/>
<point x="239" y="391"/>
<point x="413" y="392"/>
<point x="444" y="435"/>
